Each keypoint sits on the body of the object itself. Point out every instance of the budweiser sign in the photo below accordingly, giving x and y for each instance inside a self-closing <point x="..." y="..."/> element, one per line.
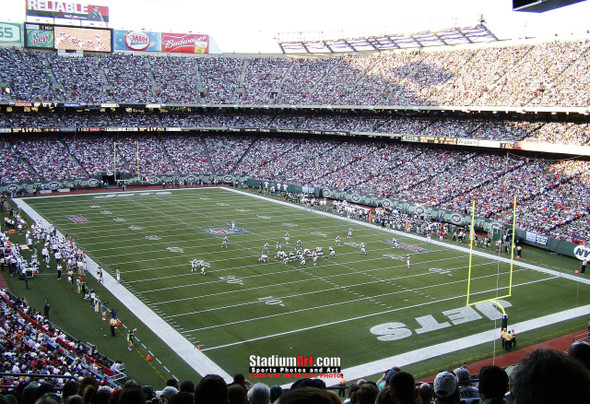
<point x="185" y="43"/>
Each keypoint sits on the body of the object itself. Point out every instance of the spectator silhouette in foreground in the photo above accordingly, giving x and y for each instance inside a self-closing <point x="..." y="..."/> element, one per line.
<point x="547" y="376"/>
<point x="403" y="388"/>
<point x="493" y="384"/>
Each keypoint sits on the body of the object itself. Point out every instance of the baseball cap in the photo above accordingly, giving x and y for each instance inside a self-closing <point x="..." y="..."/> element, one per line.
<point x="169" y="392"/>
<point x="463" y="376"/>
<point x="445" y="384"/>
<point x="148" y="391"/>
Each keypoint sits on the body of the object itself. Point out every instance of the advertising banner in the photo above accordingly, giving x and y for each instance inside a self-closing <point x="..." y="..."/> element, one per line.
<point x="438" y="140"/>
<point x="536" y="238"/>
<point x="137" y="41"/>
<point x="10" y="33"/>
<point x="410" y="138"/>
<point x="467" y="142"/>
<point x="68" y="10"/>
<point x="88" y="39"/>
<point x="39" y="36"/>
<point x="185" y="43"/>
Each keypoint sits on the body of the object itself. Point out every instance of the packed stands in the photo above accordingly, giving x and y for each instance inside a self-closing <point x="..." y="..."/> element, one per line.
<point x="500" y="74"/>
<point x="552" y="194"/>
<point x="530" y="74"/>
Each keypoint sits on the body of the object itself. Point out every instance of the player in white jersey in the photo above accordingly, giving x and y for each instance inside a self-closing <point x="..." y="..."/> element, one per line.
<point x="278" y="246"/>
<point x="194" y="265"/>
<point x="265" y="248"/>
<point x="349" y="232"/>
<point x="45" y="255"/>
<point x="332" y="252"/>
<point x="298" y="244"/>
<point x="302" y="263"/>
<point x="287" y="237"/>
<point x="224" y="242"/>
<point x="263" y="258"/>
<point x="363" y="250"/>
<point x="337" y="241"/>
<point x="408" y="261"/>
<point x="314" y="256"/>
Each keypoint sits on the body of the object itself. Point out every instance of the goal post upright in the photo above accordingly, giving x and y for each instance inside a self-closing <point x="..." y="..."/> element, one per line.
<point x="512" y="246"/>
<point x="471" y="239"/>
<point x="137" y="158"/>
<point x="115" y="161"/>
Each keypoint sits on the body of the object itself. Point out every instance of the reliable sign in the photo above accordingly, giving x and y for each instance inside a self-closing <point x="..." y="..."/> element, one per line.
<point x="67" y="9"/>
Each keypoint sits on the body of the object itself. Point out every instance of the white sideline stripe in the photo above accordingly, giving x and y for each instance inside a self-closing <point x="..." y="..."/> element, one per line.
<point x="178" y="343"/>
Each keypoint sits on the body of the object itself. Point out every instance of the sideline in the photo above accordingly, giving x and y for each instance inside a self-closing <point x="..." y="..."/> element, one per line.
<point x="176" y="341"/>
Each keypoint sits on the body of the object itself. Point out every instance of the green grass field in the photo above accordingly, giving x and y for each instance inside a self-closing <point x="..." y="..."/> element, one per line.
<point x="364" y="309"/>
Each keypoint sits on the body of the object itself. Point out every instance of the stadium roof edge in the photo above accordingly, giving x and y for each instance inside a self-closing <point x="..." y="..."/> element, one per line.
<point x="452" y="36"/>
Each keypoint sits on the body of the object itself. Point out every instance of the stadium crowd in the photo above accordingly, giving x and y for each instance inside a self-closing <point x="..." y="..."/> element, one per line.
<point x="550" y="194"/>
<point x="535" y="74"/>
<point x="30" y="344"/>
<point x="543" y="376"/>
<point x="570" y="133"/>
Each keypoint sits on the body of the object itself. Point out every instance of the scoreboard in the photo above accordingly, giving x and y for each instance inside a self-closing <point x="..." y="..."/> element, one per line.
<point x="539" y="6"/>
<point x="68" y="38"/>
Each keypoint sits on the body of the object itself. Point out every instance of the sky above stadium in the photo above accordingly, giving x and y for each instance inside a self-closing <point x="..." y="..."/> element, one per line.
<point x="252" y="26"/>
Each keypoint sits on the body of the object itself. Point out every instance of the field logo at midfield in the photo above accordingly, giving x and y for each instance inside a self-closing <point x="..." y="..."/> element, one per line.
<point x="225" y="230"/>
<point x="77" y="218"/>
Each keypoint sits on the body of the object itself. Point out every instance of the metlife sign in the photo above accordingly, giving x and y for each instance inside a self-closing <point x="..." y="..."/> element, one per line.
<point x="10" y="33"/>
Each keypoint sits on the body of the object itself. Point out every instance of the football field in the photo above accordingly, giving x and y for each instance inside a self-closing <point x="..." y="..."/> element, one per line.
<point x="366" y="311"/>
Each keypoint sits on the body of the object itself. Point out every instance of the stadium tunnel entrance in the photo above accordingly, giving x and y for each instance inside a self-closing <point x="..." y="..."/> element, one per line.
<point x="109" y="180"/>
